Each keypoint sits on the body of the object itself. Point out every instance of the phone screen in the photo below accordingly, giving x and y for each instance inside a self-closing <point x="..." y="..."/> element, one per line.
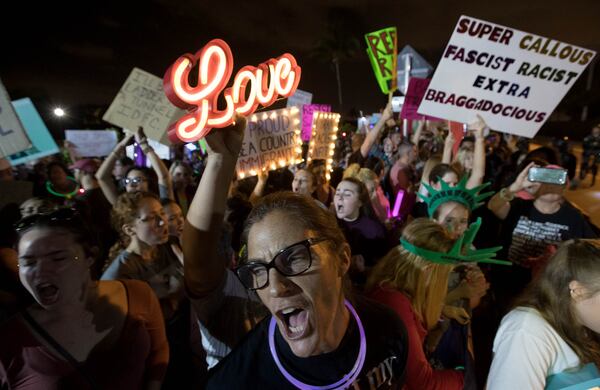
<point x="397" y="102"/>
<point x="547" y="175"/>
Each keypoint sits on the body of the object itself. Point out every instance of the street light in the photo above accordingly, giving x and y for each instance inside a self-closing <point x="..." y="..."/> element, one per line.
<point x="59" y="112"/>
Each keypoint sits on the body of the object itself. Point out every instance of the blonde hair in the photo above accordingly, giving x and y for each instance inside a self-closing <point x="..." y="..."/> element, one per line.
<point x="423" y="282"/>
<point x="351" y="171"/>
<point x="549" y="294"/>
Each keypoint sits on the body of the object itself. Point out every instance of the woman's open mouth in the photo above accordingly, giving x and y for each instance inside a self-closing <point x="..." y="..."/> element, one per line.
<point x="294" y="321"/>
<point x="47" y="292"/>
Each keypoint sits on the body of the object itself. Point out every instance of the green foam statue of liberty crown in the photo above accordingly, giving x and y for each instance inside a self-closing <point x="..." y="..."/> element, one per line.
<point x="461" y="252"/>
<point x="459" y="193"/>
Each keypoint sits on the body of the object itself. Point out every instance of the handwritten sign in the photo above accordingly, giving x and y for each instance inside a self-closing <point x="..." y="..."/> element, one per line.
<point x="307" y="118"/>
<point x="42" y="141"/>
<point x="412" y="100"/>
<point x="92" y="143"/>
<point x="382" y="49"/>
<point x="299" y="98"/>
<point x="322" y="143"/>
<point x="142" y="102"/>
<point x="513" y="79"/>
<point x="13" y="138"/>
<point x="271" y="140"/>
<point x="252" y="86"/>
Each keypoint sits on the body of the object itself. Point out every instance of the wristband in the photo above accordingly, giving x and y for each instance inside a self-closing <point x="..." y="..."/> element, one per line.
<point x="503" y="195"/>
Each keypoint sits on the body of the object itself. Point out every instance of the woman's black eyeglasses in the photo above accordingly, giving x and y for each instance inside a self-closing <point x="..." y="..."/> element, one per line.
<point x="57" y="216"/>
<point x="291" y="261"/>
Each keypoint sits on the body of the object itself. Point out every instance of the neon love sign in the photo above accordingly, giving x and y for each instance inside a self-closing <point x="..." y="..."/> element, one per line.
<point x="252" y="86"/>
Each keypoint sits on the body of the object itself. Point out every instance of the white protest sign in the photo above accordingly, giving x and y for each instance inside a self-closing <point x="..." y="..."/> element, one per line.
<point x="13" y="138"/>
<point x="142" y="102"/>
<point x="271" y="140"/>
<point x="322" y="142"/>
<point x="299" y="98"/>
<point x="513" y="79"/>
<point x="92" y="143"/>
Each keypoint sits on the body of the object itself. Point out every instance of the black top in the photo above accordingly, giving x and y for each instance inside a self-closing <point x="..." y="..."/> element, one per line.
<point x="251" y="366"/>
<point x="527" y="232"/>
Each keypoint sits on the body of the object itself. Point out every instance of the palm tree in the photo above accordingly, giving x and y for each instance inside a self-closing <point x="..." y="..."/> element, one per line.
<point x="340" y="42"/>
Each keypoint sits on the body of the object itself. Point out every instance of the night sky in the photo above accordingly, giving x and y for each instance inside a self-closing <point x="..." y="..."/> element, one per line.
<point x="79" y="53"/>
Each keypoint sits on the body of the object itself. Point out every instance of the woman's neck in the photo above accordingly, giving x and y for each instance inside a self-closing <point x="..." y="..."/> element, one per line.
<point x="547" y="207"/>
<point x="141" y="249"/>
<point x="86" y="302"/>
<point x="338" y="329"/>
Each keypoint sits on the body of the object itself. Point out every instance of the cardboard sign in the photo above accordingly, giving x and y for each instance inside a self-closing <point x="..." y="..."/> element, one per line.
<point x="382" y="49"/>
<point x="92" y="143"/>
<point x="418" y="67"/>
<point x="252" y="86"/>
<point x="307" y="118"/>
<point x="299" y="98"/>
<point x="16" y="191"/>
<point x="322" y="143"/>
<point x="42" y="141"/>
<point x="414" y="96"/>
<point x="13" y="138"/>
<point x="513" y="79"/>
<point x="142" y="102"/>
<point x="271" y="140"/>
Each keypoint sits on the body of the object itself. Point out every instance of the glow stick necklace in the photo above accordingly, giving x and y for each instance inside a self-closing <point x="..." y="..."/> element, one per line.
<point x="346" y="380"/>
<point x="69" y="195"/>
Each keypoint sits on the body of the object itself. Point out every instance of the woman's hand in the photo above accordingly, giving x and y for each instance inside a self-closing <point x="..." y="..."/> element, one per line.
<point x="458" y="314"/>
<point x="227" y="142"/>
<point x="521" y="181"/>
<point x="478" y="126"/>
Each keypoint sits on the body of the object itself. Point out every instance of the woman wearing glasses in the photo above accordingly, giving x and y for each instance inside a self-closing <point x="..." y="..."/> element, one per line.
<point x="551" y="340"/>
<point x="312" y="333"/>
<point x="78" y="334"/>
<point x="137" y="179"/>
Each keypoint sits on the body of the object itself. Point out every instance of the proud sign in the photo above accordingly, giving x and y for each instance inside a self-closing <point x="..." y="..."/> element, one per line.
<point x="513" y="79"/>
<point x="252" y="86"/>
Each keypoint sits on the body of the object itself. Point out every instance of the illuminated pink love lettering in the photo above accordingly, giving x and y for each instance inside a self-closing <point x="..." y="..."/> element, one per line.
<point x="252" y="86"/>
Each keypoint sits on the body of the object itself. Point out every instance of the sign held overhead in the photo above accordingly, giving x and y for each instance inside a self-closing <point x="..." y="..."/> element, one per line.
<point x="512" y="78"/>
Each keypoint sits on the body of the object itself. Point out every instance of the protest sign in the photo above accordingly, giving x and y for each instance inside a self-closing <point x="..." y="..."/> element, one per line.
<point x="411" y="64"/>
<point x="307" y="118"/>
<point x="13" y="138"/>
<point x="142" y="102"/>
<point x="414" y="96"/>
<point x="92" y="143"/>
<point x="299" y="98"/>
<point x="513" y="79"/>
<point x="41" y="140"/>
<point x="382" y="49"/>
<point x="251" y="88"/>
<point x="322" y="143"/>
<point x="458" y="130"/>
<point x="16" y="191"/>
<point x="271" y="140"/>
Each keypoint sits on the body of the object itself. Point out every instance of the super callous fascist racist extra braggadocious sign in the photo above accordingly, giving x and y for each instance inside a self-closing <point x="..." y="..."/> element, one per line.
<point x="513" y="79"/>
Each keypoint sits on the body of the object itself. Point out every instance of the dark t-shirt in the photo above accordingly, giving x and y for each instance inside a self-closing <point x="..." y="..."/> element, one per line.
<point x="251" y="366"/>
<point x="357" y="158"/>
<point x="527" y="232"/>
<point x="367" y="237"/>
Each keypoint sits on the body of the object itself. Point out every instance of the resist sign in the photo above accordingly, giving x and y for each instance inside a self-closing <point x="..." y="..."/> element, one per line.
<point x="513" y="79"/>
<point x="271" y="140"/>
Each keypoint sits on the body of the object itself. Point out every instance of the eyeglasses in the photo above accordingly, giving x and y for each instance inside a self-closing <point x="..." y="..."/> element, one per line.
<point x="133" y="180"/>
<point x="291" y="261"/>
<point x="60" y="215"/>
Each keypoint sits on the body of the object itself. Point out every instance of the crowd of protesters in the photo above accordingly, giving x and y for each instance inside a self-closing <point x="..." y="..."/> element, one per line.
<point x="371" y="276"/>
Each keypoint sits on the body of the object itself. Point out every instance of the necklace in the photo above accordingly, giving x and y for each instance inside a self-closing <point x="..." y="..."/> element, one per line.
<point x="346" y="380"/>
<point x="69" y="195"/>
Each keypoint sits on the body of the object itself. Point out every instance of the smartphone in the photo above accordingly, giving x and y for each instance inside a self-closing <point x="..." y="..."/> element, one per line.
<point x="547" y="175"/>
<point x="397" y="102"/>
